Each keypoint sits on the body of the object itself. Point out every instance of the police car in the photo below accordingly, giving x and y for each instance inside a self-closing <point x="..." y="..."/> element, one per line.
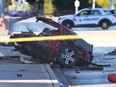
<point x="89" y="17"/>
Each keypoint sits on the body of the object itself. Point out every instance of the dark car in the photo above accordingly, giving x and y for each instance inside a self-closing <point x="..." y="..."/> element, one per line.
<point x="66" y="53"/>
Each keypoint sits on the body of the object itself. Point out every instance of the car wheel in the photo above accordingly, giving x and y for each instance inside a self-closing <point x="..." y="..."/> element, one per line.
<point x="68" y="24"/>
<point x="67" y="56"/>
<point x="105" y="24"/>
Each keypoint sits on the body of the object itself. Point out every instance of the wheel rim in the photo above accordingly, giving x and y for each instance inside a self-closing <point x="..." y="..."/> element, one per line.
<point x="68" y="25"/>
<point x="105" y="25"/>
<point x="68" y="56"/>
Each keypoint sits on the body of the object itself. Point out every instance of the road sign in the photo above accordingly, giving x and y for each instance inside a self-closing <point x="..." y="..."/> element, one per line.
<point x="77" y="4"/>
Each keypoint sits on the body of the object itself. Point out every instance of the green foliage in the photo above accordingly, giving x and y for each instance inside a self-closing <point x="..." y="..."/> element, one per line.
<point x="67" y="6"/>
<point x="64" y="5"/>
<point x="7" y="2"/>
<point x="85" y="4"/>
<point x="31" y="1"/>
<point x="115" y="4"/>
<point x="48" y="7"/>
<point x="103" y="3"/>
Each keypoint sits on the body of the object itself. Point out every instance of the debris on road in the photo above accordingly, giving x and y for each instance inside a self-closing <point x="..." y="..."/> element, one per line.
<point x="112" y="52"/>
<point x="26" y="60"/>
<point x="112" y="78"/>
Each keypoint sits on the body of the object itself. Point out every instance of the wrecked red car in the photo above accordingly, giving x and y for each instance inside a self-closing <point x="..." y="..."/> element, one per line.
<point x="66" y="53"/>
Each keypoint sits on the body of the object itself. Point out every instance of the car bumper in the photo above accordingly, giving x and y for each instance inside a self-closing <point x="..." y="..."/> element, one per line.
<point x="87" y="47"/>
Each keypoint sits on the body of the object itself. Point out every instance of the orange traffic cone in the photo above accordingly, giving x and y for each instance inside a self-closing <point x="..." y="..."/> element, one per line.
<point x="3" y="29"/>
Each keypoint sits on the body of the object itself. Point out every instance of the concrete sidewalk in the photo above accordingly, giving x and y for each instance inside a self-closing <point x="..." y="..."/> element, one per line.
<point x="27" y="75"/>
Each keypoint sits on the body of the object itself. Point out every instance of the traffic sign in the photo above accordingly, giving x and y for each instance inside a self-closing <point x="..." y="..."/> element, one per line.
<point x="77" y="3"/>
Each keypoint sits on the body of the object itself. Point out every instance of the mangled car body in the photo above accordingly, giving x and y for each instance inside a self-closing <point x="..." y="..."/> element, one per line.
<point x="66" y="53"/>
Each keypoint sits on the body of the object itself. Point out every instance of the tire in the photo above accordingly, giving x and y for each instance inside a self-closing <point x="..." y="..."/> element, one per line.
<point x="68" y="24"/>
<point x="67" y="56"/>
<point x="105" y="24"/>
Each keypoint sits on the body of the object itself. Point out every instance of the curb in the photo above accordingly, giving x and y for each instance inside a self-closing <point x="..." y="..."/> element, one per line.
<point x="52" y="76"/>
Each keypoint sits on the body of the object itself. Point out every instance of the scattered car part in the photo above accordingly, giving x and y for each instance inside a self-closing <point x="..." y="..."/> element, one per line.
<point x="112" y="52"/>
<point x="112" y="78"/>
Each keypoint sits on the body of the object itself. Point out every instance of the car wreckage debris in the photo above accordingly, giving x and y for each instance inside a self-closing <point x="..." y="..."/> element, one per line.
<point x="112" y="78"/>
<point x="112" y="52"/>
<point x="66" y="53"/>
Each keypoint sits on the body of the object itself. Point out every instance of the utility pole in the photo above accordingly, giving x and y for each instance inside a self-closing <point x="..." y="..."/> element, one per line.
<point x="93" y="3"/>
<point x="111" y="4"/>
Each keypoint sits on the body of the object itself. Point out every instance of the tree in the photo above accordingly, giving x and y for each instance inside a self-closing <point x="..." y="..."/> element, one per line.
<point x="64" y="6"/>
<point x="31" y="1"/>
<point x="48" y="7"/>
<point x="115" y="4"/>
<point x="103" y="3"/>
<point x="85" y="4"/>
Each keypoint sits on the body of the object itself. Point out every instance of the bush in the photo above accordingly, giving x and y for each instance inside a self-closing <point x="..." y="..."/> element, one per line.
<point x="48" y="7"/>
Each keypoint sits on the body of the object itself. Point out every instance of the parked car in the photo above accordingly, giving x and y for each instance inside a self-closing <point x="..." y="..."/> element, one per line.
<point x="66" y="53"/>
<point x="15" y="13"/>
<point x="88" y="17"/>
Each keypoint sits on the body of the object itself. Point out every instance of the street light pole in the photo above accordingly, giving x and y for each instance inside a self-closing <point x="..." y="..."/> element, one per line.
<point x="111" y="4"/>
<point x="93" y="4"/>
<point x="77" y="4"/>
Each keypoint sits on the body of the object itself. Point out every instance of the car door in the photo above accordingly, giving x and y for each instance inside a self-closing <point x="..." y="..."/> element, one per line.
<point x="88" y="17"/>
<point x="96" y="15"/>
<point x="83" y="17"/>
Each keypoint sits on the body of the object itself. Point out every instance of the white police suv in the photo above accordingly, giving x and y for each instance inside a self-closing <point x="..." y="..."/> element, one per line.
<point x="88" y="17"/>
